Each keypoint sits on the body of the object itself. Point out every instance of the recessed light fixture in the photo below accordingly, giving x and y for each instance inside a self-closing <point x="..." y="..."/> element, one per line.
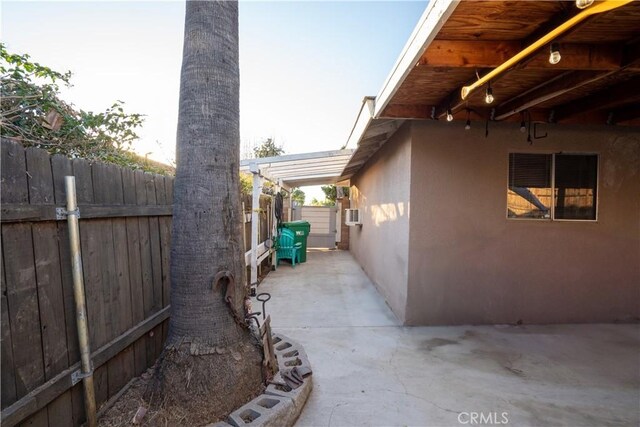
<point x="554" y="53"/>
<point x="467" y="125"/>
<point x="488" y="96"/>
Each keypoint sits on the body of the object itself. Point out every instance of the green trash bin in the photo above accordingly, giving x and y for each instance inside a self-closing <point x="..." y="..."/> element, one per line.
<point x="301" y="231"/>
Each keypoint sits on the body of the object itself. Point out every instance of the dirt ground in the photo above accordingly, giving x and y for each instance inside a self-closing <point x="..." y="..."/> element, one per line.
<point x="194" y="390"/>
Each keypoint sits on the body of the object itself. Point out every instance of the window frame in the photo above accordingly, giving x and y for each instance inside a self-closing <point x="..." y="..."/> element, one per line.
<point x="553" y="186"/>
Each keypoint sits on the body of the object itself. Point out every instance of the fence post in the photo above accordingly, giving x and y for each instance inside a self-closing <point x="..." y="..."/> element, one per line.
<point x="78" y="294"/>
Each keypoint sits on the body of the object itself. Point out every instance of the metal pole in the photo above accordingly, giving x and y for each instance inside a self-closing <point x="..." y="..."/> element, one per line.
<point x="274" y="226"/>
<point x="255" y="222"/>
<point x="78" y="295"/>
<point x="244" y="229"/>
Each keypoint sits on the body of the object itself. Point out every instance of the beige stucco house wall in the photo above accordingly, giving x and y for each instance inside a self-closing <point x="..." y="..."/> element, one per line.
<point x="381" y="244"/>
<point x="466" y="262"/>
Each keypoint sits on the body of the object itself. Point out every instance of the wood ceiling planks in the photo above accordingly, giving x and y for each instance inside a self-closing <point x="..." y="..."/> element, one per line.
<point x="480" y="35"/>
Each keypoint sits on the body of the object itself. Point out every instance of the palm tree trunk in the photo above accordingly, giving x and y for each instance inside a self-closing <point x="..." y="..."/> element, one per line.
<point x="206" y="216"/>
<point x="209" y="355"/>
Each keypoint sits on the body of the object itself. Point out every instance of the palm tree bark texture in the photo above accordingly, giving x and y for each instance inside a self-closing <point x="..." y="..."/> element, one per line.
<point x="212" y="363"/>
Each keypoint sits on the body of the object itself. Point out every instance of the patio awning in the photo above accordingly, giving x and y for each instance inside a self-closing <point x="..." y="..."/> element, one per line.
<point x="289" y="171"/>
<point x="504" y="46"/>
<point x="297" y="170"/>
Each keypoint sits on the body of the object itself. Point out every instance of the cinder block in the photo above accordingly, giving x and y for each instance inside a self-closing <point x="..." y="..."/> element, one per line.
<point x="290" y="353"/>
<point x="298" y="395"/>
<point x="265" y="410"/>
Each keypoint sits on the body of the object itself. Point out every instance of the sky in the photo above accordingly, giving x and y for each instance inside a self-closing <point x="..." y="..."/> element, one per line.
<point x="304" y="66"/>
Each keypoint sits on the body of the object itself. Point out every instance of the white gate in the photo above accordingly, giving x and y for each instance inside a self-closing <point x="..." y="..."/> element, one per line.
<point x="323" y="226"/>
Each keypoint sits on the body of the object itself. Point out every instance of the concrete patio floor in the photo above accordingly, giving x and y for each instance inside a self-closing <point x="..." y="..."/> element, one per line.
<point x="369" y="370"/>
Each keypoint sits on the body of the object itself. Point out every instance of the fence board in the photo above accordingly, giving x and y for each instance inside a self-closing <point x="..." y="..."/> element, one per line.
<point x="20" y="275"/>
<point x="145" y="262"/>
<point x="122" y="367"/>
<point x="8" y="376"/>
<point x="165" y="246"/>
<point x="14" y="173"/>
<point x="135" y="270"/>
<point x="156" y="262"/>
<point x="49" y="283"/>
<point x="168" y="185"/>
<point x="91" y="244"/>
<point x="107" y="190"/>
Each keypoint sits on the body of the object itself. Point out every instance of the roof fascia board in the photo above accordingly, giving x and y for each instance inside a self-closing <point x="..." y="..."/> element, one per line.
<point x="430" y="23"/>
<point x="365" y="116"/>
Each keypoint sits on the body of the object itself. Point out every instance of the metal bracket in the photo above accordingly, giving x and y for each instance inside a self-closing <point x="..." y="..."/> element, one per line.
<point x="62" y="213"/>
<point x="78" y="375"/>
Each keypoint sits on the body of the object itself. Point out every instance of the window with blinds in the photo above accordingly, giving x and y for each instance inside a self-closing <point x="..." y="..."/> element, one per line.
<point x="552" y="186"/>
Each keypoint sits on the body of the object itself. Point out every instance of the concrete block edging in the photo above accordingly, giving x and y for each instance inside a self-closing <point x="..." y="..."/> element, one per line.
<point x="276" y="407"/>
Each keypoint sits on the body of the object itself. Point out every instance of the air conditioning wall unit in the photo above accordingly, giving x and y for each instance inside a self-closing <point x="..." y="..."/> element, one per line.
<point x="352" y="217"/>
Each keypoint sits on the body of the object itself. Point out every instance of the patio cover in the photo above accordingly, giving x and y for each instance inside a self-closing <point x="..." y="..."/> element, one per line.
<point x="288" y="172"/>
<point x="298" y="170"/>
<point x="456" y="43"/>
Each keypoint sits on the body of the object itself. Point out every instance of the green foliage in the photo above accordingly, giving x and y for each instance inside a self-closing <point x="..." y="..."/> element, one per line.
<point x="331" y="194"/>
<point x="268" y="149"/>
<point x="325" y="202"/>
<point x="298" y="196"/>
<point x="33" y="114"/>
<point x="269" y="188"/>
<point x="246" y="183"/>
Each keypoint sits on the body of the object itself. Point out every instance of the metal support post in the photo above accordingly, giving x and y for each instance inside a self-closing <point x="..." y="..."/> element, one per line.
<point x="255" y="221"/>
<point x="78" y="294"/>
<point x="291" y="205"/>
<point x="274" y="227"/>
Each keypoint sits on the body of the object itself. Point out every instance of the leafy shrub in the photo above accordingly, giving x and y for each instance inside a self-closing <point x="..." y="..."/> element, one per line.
<point x="33" y="114"/>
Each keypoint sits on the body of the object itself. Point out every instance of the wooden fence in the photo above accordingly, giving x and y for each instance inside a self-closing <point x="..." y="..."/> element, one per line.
<point x="125" y="231"/>
<point x="264" y="229"/>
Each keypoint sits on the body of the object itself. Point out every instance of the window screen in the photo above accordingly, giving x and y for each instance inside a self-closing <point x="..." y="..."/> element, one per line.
<point x="575" y="186"/>
<point x="529" y="192"/>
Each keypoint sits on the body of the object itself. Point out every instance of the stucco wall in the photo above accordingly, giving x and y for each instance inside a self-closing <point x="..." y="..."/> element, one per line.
<point x="469" y="264"/>
<point x="381" y="244"/>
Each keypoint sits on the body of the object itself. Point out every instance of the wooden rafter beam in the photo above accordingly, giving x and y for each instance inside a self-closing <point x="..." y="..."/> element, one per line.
<point x="569" y="11"/>
<point x="631" y="54"/>
<point x="406" y="111"/>
<point x="452" y="101"/>
<point x="468" y="53"/>
<point x="422" y="112"/>
<point x="623" y="93"/>
<point x="562" y="84"/>
<point x="490" y="54"/>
